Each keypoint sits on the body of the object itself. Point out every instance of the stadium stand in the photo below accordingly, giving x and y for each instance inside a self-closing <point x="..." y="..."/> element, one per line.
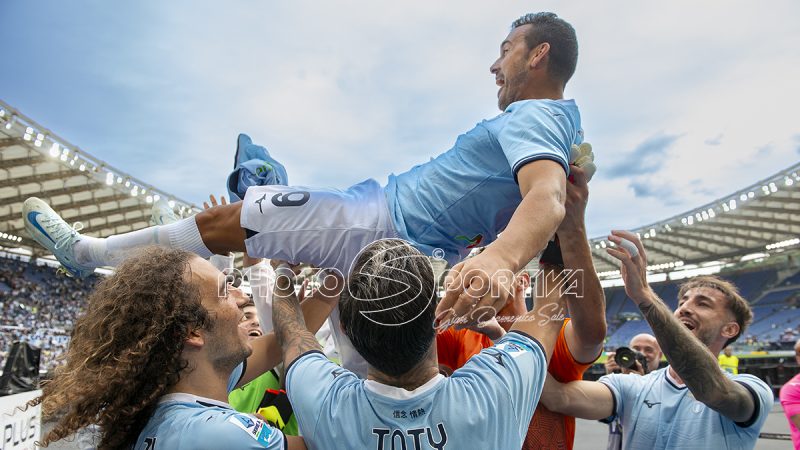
<point x="38" y="307"/>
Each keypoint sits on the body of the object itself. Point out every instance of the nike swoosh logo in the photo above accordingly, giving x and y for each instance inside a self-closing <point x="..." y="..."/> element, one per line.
<point x="32" y="219"/>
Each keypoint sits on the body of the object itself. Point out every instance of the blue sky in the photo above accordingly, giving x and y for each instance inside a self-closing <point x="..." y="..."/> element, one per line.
<point x="683" y="102"/>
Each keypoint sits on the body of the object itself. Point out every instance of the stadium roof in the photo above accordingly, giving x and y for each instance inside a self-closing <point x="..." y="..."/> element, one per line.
<point x="761" y="218"/>
<point x="35" y="161"/>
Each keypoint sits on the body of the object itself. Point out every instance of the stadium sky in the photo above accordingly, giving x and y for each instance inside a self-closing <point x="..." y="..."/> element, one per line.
<point x="683" y="101"/>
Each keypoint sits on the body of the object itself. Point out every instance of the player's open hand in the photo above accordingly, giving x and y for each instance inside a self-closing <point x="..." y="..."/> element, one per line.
<point x="633" y="265"/>
<point x="222" y="201"/>
<point x="475" y="290"/>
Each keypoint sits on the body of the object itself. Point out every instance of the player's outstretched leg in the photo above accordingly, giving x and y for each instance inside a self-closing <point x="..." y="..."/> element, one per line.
<point x="216" y="230"/>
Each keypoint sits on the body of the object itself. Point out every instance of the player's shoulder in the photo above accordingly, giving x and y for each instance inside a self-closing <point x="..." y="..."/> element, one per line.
<point x="750" y="380"/>
<point x="542" y="106"/>
<point x="223" y="429"/>
<point x="635" y="380"/>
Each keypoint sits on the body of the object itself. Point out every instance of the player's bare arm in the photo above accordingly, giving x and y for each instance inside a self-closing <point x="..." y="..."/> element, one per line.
<point x="487" y="279"/>
<point x="287" y="319"/>
<point x="689" y="357"/>
<point x="545" y="320"/>
<point x="586" y="332"/>
<point x="267" y="351"/>
<point x="588" y="400"/>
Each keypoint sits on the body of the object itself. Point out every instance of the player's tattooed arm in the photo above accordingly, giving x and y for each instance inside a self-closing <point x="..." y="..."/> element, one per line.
<point x="287" y="319"/>
<point x="695" y="364"/>
<point x="690" y="358"/>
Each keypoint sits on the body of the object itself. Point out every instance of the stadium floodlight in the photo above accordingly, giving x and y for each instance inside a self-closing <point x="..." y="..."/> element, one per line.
<point x="711" y="213"/>
<point x="732" y="204"/>
<point x="11" y="122"/>
<point x="773" y="187"/>
<point x="54" y="150"/>
<point x="667" y="227"/>
<point x="782" y="244"/>
<point x="2" y="112"/>
<point x="149" y="198"/>
<point x="156" y="198"/>
<point x="135" y="191"/>
<point x="788" y="181"/>
<point x="725" y="207"/>
<point x="63" y="157"/>
<point x="109" y="178"/>
<point x="751" y="194"/>
<point x="119" y="180"/>
<point x="82" y="167"/>
<point x="127" y="183"/>
<point x="647" y="235"/>
<point x="603" y="244"/>
<point x="689" y="220"/>
<point x="171" y="203"/>
<point x="72" y="163"/>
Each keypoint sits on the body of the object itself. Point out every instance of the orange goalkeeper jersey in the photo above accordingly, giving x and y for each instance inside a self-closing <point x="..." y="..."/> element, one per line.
<point x="550" y="430"/>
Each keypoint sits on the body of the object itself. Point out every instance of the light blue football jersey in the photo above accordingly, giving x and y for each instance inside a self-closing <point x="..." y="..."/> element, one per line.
<point x="486" y="404"/>
<point x="188" y="422"/>
<point x="462" y="198"/>
<point x="657" y="413"/>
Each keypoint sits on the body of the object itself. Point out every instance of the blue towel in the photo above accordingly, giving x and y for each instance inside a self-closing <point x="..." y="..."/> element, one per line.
<point x="253" y="166"/>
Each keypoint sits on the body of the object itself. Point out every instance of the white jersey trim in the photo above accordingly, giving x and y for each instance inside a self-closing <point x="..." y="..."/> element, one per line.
<point x="397" y="393"/>
<point x="672" y="380"/>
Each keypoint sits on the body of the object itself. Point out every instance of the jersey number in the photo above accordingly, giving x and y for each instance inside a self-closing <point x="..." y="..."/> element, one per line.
<point x="291" y="198"/>
<point x="150" y="443"/>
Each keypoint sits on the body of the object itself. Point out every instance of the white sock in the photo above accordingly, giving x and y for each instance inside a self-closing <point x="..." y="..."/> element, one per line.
<point x="110" y="251"/>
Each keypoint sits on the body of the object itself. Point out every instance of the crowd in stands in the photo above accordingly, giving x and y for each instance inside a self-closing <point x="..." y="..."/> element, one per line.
<point x="38" y="306"/>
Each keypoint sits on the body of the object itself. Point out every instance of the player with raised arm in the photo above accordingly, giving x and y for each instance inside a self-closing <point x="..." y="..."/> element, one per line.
<point x="387" y="310"/>
<point x="691" y="403"/>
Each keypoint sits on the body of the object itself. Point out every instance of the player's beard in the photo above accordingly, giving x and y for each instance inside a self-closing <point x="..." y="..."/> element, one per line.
<point x="512" y="85"/>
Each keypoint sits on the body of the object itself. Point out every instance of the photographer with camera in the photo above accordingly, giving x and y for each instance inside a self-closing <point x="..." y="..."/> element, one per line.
<point x="645" y="357"/>
<point x="642" y="357"/>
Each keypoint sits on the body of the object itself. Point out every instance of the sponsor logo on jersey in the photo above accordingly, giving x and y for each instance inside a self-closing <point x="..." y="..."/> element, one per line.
<point x="514" y="350"/>
<point x="255" y="428"/>
<point x="651" y="404"/>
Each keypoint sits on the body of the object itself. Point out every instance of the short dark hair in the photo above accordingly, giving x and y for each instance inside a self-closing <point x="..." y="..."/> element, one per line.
<point x="736" y="303"/>
<point x="389" y="306"/>
<point x="548" y="27"/>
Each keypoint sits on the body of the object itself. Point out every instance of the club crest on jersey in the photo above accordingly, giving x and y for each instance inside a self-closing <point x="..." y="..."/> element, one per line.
<point x="471" y="243"/>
